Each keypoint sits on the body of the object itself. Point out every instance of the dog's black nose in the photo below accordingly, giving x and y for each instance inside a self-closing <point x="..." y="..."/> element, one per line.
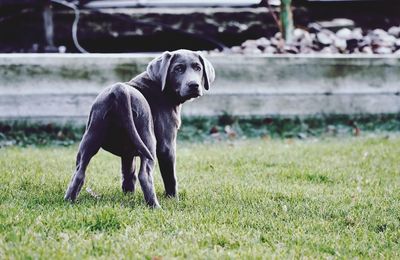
<point x="194" y="86"/>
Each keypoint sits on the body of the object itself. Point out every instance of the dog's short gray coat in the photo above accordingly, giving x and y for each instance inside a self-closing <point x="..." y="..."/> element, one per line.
<point x="141" y="118"/>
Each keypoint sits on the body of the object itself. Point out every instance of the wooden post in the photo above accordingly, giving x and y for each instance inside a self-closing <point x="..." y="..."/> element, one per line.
<point x="48" y="27"/>
<point x="287" y="21"/>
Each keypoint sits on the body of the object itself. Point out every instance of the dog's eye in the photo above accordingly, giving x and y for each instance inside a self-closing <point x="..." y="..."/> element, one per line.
<point x="196" y="67"/>
<point x="180" y="68"/>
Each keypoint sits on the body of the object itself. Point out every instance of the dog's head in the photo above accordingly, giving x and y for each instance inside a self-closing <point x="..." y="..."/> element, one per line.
<point x="182" y="73"/>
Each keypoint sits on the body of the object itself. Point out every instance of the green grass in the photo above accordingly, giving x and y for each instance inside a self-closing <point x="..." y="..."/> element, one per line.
<point x="258" y="198"/>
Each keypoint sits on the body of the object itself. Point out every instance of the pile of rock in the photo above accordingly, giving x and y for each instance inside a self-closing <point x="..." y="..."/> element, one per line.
<point x="320" y="40"/>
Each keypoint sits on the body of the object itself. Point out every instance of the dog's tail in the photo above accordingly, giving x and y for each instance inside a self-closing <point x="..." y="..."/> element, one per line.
<point x="124" y="100"/>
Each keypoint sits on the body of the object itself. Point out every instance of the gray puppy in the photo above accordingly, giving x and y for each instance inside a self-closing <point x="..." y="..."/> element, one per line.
<point x="141" y="118"/>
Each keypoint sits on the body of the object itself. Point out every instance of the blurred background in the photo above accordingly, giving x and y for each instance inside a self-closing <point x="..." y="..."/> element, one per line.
<point x="126" y="26"/>
<point x="289" y="68"/>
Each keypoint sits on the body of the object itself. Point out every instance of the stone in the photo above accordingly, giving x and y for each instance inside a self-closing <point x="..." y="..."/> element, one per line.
<point x="337" y="24"/>
<point x="298" y="34"/>
<point x="340" y="44"/>
<point x="379" y="33"/>
<point x="380" y="38"/>
<point x="357" y="33"/>
<point x="302" y="37"/>
<point x="270" y="50"/>
<point x="324" y="38"/>
<point x="306" y="50"/>
<point x="389" y="40"/>
<point x="278" y="35"/>
<point x="263" y="42"/>
<point x="290" y="49"/>
<point x="274" y="2"/>
<point x="277" y="43"/>
<point x="384" y="41"/>
<point x="367" y="50"/>
<point x="397" y="44"/>
<point x="249" y="44"/>
<point x="62" y="49"/>
<point x="237" y="49"/>
<point x="344" y="34"/>
<point x="345" y="40"/>
<point x="365" y="41"/>
<point x="383" y="50"/>
<point x="329" y="50"/>
<point x="252" y="51"/>
<point x="307" y="40"/>
<point x="394" y="31"/>
<point x="314" y="28"/>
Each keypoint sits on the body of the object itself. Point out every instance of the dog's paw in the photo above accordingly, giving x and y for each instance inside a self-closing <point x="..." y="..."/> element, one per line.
<point x="172" y="196"/>
<point x="70" y="196"/>
<point x="157" y="207"/>
<point x="154" y="204"/>
<point x="128" y="188"/>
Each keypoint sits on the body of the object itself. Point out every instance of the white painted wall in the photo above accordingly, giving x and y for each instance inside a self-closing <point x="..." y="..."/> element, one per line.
<point x="62" y="87"/>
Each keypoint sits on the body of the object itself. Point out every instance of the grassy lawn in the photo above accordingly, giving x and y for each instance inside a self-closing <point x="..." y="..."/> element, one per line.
<point x="248" y="199"/>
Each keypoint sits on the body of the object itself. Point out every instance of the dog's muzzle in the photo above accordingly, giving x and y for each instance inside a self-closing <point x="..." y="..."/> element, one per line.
<point x="194" y="90"/>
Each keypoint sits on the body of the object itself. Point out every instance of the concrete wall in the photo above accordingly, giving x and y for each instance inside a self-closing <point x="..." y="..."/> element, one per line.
<point x="62" y="87"/>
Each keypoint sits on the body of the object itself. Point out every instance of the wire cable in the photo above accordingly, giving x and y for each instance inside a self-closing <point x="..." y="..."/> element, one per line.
<point x="74" y="24"/>
<point x="211" y="40"/>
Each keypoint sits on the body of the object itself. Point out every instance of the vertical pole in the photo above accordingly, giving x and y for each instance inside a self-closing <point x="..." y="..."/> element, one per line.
<point x="287" y="20"/>
<point x="48" y="26"/>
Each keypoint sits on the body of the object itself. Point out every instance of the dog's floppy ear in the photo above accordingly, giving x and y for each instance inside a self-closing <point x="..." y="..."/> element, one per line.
<point x="208" y="71"/>
<point x="158" y="68"/>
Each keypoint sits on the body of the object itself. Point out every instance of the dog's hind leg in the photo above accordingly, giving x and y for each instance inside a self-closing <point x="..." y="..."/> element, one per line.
<point x="89" y="146"/>
<point x="146" y="181"/>
<point x="128" y="173"/>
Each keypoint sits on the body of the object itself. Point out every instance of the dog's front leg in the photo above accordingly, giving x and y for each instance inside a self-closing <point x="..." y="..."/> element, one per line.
<point x="166" y="155"/>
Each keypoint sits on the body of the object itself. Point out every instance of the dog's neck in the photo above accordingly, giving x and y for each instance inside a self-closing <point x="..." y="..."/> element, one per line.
<point x="160" y="102"/>
<point x="151" y="89"/>
<point x="152" y="92"/>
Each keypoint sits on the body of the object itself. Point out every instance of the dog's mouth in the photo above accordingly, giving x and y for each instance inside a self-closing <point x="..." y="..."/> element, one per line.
<point x="193" y="94"/>
<point x="188" y="95"/>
